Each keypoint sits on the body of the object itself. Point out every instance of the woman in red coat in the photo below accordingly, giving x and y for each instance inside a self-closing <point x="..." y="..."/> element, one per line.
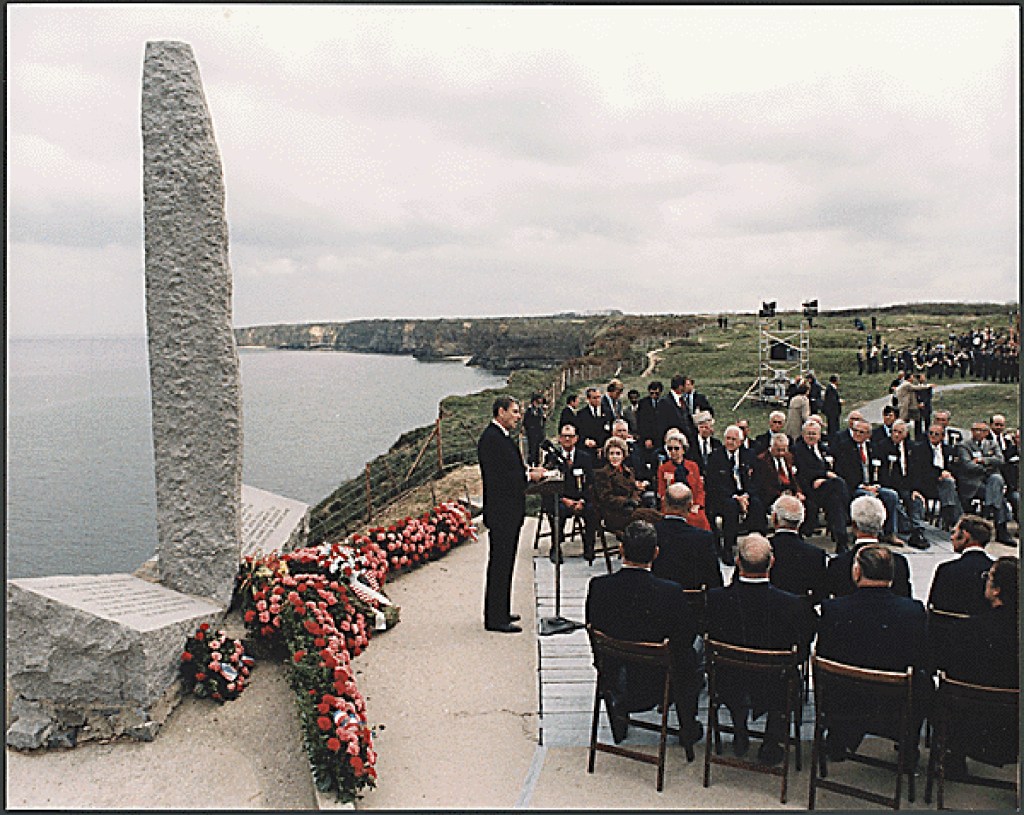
<point x="679" y="468"/>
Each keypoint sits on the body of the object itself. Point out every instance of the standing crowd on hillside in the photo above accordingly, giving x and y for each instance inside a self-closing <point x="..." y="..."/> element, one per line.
<point x="983" y="353"/>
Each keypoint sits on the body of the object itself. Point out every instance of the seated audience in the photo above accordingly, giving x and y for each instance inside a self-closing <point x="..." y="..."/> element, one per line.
<point x="868" y="516"/>
<point x="753" y="613"/>
<point x="632" y="604"/>
<point x="931" y="474"/>
<point x="615" y="488"/>
<point x="959" y="584"/>
<point x="680" y="470"/>
<point x="706" y="442"/>
<point x="775" y="471"/>
<point x="986" y="651"/>
<point x="776" y="424"/>
<point x="686" y="553"/>
<point x="729" y="483"/>
<point x="873" y="628"/>
<point x="980" y="465"/>
<point x="821" y="485"/>
<point x="799" y="566"/>
<point x="577" y="468"/>
<point x="893" y="456"/>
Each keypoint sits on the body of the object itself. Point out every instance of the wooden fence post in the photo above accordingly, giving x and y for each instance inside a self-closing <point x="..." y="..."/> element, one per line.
<point x="369" y="501"/>
<point x="440" y="455"/>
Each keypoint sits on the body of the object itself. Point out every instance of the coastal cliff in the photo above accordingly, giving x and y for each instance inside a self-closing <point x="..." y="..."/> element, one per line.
<point x="498" y="343"/>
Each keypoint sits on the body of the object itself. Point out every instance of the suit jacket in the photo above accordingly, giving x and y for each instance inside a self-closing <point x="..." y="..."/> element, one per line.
<point x="768" y="483"/>
<point x="593" y="427"/>
<point x="839" y="575"/>
<point x="872" y="628"/>
<point x="972" y="472"/>
<point x="504" y="477"/>
<point x="799" y="566"/>
<point x="831" y="403"/>
<point x="809" y="467"/>
<point x="848" y="462"/>
<point x="632" y="604"/>
<point x="762" y="442"/>
<point x="880" y="434"/>
<point x="924" y="475"/>
<point x="695" y="455"/>
<point x="718" y="478"/>
<point x="575" y="486"/>
<point x="686" y="555"/>
<point x="672" y="415"/>
<point x="959" y="584"/>
<point x="568" y="416"/>
<point x="757" y="615"/>
<point x="700" y="402"/>
<point x="647" y="421"/>
<point x="890" y="472"/>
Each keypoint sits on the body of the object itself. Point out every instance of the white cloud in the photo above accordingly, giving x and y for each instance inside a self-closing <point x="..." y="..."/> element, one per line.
<point x="436" y="160"/>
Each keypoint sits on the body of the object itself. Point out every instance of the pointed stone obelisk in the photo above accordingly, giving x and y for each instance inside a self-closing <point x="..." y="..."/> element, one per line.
<point x="193" y="362"/>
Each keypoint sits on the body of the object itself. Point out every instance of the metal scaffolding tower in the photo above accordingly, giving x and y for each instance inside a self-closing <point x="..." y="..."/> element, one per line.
<point x="781" y="356"/>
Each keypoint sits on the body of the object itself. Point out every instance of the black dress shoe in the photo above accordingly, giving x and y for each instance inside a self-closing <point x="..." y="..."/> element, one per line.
<point x="514" y="618"/>
<point x="1003" y="536"/>
<point x="508" y="628"/>
<point x="918" y="542"/>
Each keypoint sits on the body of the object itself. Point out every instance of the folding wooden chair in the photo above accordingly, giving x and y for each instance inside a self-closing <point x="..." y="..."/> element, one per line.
<point x="951" y="698"/>
<point x="766" y="666"/>
<point x="941" y="624"/>
<point x="649" y="654"/>
<point x="891" y="686"/>
<point x="602" y="546"/>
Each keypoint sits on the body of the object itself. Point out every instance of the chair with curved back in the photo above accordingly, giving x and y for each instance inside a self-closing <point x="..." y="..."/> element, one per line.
<point x="649" y="654"/>
<point x="953" y="701"/>
<point x="894" y="687"/>
<point x="783" y="666"/>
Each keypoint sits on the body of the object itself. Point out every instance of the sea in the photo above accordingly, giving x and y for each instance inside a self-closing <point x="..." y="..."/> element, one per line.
<point x="81" y="491"/>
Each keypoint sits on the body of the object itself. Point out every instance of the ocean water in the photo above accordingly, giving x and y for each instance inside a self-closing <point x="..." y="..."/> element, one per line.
<point x="80" y="483"/>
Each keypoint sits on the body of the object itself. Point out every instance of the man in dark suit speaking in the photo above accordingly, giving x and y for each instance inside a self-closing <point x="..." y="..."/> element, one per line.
<point x="504" y="476"/>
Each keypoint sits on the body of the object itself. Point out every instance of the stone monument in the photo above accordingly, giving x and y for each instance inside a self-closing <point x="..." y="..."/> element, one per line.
<point x="193" y="362"/>
<point x="95" y="656"/>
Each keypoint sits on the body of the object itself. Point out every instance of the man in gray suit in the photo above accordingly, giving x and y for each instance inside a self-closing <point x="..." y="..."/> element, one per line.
<point x="980" y="467"/>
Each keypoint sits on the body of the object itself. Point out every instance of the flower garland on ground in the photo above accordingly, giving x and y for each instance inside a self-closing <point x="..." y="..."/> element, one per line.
<point x="215" y="666"/>
<point x="323" y="604"/>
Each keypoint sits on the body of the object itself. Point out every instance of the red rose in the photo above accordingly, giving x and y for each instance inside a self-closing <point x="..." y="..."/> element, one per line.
<point x="298" y="655"/>
<point x="200" y="635"/>
<point x="333" y="744"/>
<point x="324" y="723"/>
<point x="186" y="657"/>
<point x="204" y="627"/>
<point x="357" y="765"/>
<point x="250" y="615"/>
<point x="200" y="676"/>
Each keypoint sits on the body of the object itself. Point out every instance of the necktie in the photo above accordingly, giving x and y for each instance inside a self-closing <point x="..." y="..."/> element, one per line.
<point x="903" y="459"/>
<point x="937" y="456"/>
<point x="736" y="471"/>
<point x="689" y="401"/>
<point x="705" y="449"/>
<point x="783" y="475"/>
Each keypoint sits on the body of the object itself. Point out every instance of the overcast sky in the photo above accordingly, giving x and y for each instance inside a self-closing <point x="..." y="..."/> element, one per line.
<point x="396" y="161"/>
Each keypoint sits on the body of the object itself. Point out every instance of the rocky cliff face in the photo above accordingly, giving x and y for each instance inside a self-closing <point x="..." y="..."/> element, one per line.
<point x="500" y="344"/>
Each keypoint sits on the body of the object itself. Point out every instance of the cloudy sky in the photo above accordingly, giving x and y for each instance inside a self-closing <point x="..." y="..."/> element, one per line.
<point x="396" y="161"/>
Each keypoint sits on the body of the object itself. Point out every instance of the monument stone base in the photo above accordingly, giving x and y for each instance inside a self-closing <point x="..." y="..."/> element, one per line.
<point x="95" y="656"/>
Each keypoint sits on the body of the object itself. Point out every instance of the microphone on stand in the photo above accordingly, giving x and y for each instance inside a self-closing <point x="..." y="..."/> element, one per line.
<point x="554" y="451"/>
